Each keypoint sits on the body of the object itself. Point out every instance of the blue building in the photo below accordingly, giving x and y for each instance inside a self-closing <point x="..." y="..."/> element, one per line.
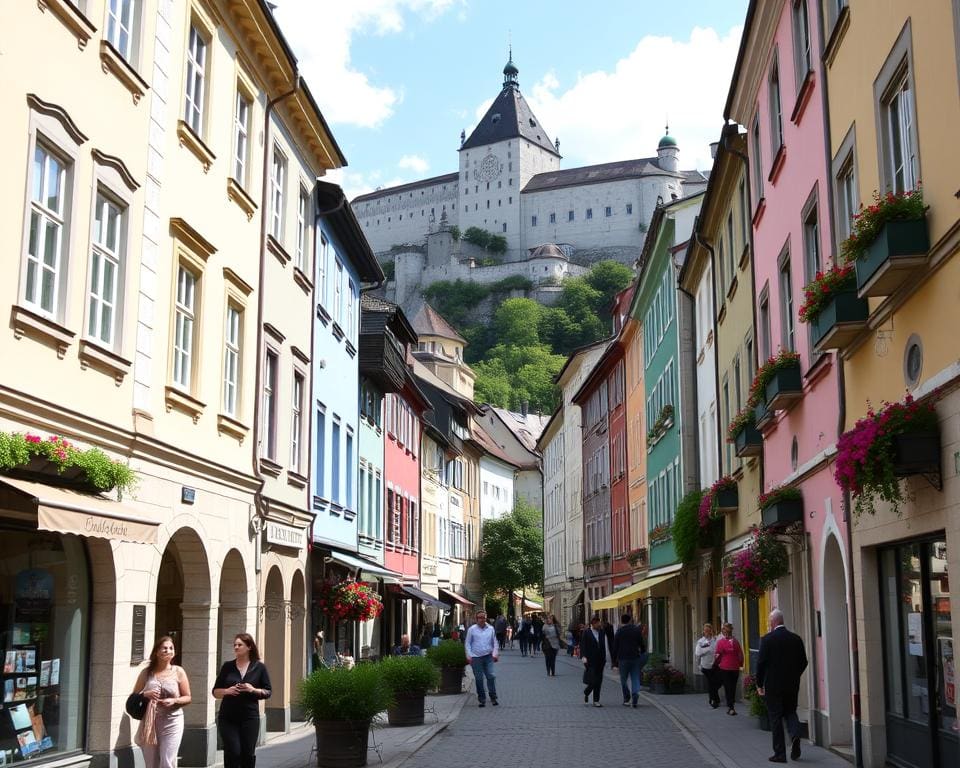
<point x="345" y="265"/>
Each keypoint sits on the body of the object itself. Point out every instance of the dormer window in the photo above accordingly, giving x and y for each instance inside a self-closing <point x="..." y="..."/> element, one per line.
<point x="496" y="117"/>
<point x="533" y="123"/>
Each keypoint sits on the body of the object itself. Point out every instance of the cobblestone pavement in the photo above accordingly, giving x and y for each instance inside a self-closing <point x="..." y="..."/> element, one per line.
<point x="542" y="721"/>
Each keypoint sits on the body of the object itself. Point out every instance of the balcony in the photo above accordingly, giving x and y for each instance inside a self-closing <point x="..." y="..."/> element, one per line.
<point x="381" y="360"/>
<point x="899" y="251"/>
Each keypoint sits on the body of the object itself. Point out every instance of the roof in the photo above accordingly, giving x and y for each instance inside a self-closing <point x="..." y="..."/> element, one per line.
<point x="618" y="170"/>
<point x="527" y="429"/>
<point x="428" y="322"/>
<point x="577" y="352"/>
<point x="334" y="209"/>
<point x="509" y="117"/>
<point x="547" y="251"/>
<point x="401" y="325"/>
<point x="444" y="179"/>
<point x="557" y="414"/>
<point x="482" y="438"/>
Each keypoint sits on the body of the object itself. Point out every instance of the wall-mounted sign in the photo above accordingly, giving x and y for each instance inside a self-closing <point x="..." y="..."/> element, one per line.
<point x="286" y="535"/>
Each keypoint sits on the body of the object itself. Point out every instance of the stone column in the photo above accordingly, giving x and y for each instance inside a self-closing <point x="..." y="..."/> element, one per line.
<point x="199" y="746"/>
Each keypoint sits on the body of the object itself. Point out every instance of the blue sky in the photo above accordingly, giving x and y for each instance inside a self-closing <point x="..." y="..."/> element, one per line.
<point x="399" y="79"/>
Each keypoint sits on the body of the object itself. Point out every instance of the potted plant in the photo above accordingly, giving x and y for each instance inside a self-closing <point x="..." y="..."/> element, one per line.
<point x="676" y="680"/>
<point x="57" y="461"/>
<point x="660" y="533"/>
<point x="832" y="308"/>
<point x="655" y="673"/>
<point x="888" y="242"/>
<point x="408" y="678"/>
<point x="777" y="383"/>
<point x="758" y="707"/>
<point x="744" y="435"/>
<point x="349" y="601"/>
<point x="899" y="440"/>
<point x="751" y="571"/>
<point x="662" y="423"/>
<point x="781" y="506"/>
<point x="340" y="703"/>
<point x="721" y="497"/>
<point x="637" y="556"/>
<point x="451" y="657"/>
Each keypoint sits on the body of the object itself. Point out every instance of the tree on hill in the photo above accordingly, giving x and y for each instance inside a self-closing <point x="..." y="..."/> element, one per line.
<point x="511" y="551"/>
<point x="517" y="321"/>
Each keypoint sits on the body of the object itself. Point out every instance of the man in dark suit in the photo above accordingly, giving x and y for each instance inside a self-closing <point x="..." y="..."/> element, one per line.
<point x="593" y="651"/>
<point x="781" y="663"/>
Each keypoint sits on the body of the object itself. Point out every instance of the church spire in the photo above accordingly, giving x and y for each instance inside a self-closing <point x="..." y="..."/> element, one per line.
<point x="510" y="72"/>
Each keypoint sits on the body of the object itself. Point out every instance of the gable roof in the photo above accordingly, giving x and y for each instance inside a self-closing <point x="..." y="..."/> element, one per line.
<point x="509" y="117"/>
<point x="447" y="178"/>
<point x="482" y="438"/>
<point x="428" y="322"/>
<point x="619" y="170"/>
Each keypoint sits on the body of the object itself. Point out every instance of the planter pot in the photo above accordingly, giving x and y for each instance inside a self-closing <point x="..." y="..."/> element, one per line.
<point x="408" y="710"/>
<point x="659" y="687"/>
<point x="764" y="721"/>
<point x="784" y="389"/>
<point x="916" y="453"/>
<point x="762" y="415"/>
<point x="342" y="743"/>
<point x="748" y="442"/>
<point x="727" y="499"/>
<point x="899" y="250"/>
<point x="451" y="680"/>
<point x="840" y="321"/>
<point x="783" y="512"/>
<point x="40" y="470"/>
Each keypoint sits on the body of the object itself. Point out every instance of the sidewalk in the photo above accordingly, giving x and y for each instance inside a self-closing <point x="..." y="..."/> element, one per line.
<point x="293" y="749"/>
<point x="733" y="742"/>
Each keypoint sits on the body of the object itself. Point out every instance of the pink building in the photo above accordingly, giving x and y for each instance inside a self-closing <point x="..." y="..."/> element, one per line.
<point x="777" y="94"/>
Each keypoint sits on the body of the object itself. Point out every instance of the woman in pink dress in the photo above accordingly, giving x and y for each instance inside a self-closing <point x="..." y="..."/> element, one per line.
<point x="729" y="660"/>
<point x="167" y="690"/>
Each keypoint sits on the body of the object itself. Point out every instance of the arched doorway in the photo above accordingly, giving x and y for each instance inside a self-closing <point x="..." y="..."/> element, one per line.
<point x="183" y="612"/>
<point x="274" y="650"/>
<point x="298" y="639"/>
<point x="232" y="614"/>
<point x="836" y="634"/>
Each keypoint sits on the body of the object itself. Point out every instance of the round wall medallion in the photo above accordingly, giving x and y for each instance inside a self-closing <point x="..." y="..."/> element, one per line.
<point x="913" y="361"/>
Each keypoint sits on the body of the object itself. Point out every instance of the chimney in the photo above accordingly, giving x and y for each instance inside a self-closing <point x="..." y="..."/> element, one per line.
<point x="713" y="149"/>
<point x="524" y="408"/>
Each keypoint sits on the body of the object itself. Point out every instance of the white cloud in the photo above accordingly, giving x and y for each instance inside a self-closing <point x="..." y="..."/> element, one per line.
<point x="616" y="115"/>
<point x="321" y="33"/>
<point x="413" y="163"/>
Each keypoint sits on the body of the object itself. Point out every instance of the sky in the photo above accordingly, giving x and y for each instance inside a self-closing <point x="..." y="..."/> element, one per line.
<point x="397" y="80"/>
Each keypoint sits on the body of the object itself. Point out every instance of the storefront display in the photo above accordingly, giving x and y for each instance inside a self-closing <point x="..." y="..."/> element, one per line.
<point x="44" y="612"/>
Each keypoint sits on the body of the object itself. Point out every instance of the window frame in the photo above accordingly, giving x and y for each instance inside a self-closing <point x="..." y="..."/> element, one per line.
<point x="304" y="228"/>
<point x="278" y="182"/>
<point x="788" y="330"/>
<point x="268" y="394"/>
<point x="897" y="71"/>
<point x="189" y="314"/>
<point x="241" y="134"/>
<point x="194" y="106"/>
<point x="756" y="141"/>
<point x="132" y="53"/>
<point x="232" y="348"/>
<point x="296" y="419"/>
<point x="775" y="104"/>
<point x="802" y="42"/>
<point x="844" y="175"/>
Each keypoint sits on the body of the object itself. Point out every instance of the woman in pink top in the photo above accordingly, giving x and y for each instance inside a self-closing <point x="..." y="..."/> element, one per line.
<point x="729" y="656"/>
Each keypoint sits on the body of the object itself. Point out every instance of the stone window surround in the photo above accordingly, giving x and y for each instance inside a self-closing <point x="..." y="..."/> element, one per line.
<point x="899" y="62"/>
<point x="844" y="159"/>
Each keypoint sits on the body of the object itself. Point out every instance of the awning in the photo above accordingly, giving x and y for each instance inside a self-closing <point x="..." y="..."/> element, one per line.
<point x="64" y="511"/>
<point x="456" y="598"/>
<point x="366" y="567"/>
<point x="533" y="605"/>
<point x="423" y="597"/>
<point x="630" y="593"/>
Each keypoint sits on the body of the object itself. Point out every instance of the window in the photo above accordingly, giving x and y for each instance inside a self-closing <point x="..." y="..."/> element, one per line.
<point x="721" y="266"/>
<point x="241" y="129"/>
<point x="303" y="228"/>
<point x="121" y="18"/>
<point x="801" y="41"/>
<point x="296" y="422"/>
<point x="811" y="241"/>
<point x="106" y="259"/>
<point x="533" y="221"/>
<point x="776" y="108"/>
<point x="338" y="293"/>
<point x="569" y="215"/>
<point x="351" y="291"/>
<point x="629" y="209"/>
<point x="608" y="211"/>
<point x="349" y="468"/>
<point x="504" y="226"/>
<point x="553" y="218"/>
<point x="231" y="361"/>
<point x="744" y="215"/>
<point x="48" y="219"/>
<point x="901" y="154"/>
<point x="730" y="244"/>
<point x="786" y="305"/>
<point x="589" y="213"/>
<point x="765" y="333"/>
<point x="278" y="173"/>
<point x="320" y="466"/>
<point x="335" y="462"/>
<point x="268" y="440"/>
<point x="196" y="75"/>
<point x="184" y="320"/>
<point x="756" y="162"/>
<point x="322" y="259"/>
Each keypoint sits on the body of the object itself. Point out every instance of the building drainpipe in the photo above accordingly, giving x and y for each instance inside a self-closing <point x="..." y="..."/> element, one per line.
<point x="258" y="500"/>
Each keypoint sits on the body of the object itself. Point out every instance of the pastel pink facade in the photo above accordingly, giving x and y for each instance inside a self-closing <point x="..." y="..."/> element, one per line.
<point x="401" y="463"/>
<point x="792" y="240"/>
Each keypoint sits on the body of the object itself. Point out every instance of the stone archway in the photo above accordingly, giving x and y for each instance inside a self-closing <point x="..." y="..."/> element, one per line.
<point x="274" y="650"/>
<point x="836" y="634"/>
<point x="103" y="667"/>
<point x="232" y="613"/>
<point x="298" y="640"/>
<point x="183" y="611"/>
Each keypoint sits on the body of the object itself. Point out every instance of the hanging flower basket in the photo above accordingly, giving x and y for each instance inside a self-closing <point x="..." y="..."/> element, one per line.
<point x="899" y="440"/>
<point x="753" y="570"/>
<point x="744" y="435"/>
<point x="56" y="461"/>
<point x="720" y="498"/>
<point x="781" y="506"/>
<point x="832" y="308"/>
<point x="777" y="383"/>
<point x="349" y="601"/>
<point x="889" y="241"/>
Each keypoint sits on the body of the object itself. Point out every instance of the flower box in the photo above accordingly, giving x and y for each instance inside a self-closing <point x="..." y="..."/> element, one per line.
<point x="916" y="453"/>
<point x="782" y="513"/>
<point x="784" y="388"/>
<point x="762" y="415"/>
<point x="727" y="500"/>
<point x="899" y="249"/>
<point x="748" y="442"/>
<point x="842" y="318"/>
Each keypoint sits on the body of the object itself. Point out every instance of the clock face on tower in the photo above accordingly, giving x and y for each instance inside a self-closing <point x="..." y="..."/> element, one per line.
<point x="488" y="170"/>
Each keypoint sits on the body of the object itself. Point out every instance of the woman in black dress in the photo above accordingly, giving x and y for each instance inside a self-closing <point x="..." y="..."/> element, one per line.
<point x="241" y="684"/>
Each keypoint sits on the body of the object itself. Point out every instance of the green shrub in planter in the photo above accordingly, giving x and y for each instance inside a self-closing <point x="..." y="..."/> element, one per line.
<point x="409" y="675"/>
<point x="448" y="653"/>
<point x="345" y="694"/>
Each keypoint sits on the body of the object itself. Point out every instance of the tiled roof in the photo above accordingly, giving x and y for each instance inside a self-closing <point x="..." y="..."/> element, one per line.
<point x="594" y="174"/>
<point x="486" y="441"/>
<point x="526" y="428"/>
<point x="428" y="322"/>
<point x="376" y="304"/>
<point x="509" y="117"/>
<point x="444" y="179"/>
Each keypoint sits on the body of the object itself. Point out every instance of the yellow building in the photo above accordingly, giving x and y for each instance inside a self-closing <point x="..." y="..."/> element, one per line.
<point x="894" y="118"/>
<point x="135" y="230"/>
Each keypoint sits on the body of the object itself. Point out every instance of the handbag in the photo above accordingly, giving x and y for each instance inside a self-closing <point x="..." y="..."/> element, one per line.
<point x="136" y="705"/>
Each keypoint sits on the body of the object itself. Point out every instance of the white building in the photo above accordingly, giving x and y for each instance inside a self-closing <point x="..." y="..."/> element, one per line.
<point x="554" y="512"/>
<point x="497" y="477"/>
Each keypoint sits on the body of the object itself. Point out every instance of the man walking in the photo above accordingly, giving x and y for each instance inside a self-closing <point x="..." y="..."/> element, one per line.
<point x="629" y="654"/>
<point x="781" y="662"/>
<point x="593" y="651"/>
<point x="482" y="653"/>
<point x="500" y="629"/>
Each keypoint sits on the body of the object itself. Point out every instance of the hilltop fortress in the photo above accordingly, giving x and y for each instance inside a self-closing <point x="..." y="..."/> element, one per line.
<point x="555" y="221"/>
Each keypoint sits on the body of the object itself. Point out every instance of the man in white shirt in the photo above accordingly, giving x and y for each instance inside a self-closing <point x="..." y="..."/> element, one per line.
<point x="482" y="653"/>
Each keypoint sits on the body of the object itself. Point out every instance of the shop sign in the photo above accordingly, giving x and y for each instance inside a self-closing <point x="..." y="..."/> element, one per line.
<point x="286" y="535"/>
<point x="97" y="526"/>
